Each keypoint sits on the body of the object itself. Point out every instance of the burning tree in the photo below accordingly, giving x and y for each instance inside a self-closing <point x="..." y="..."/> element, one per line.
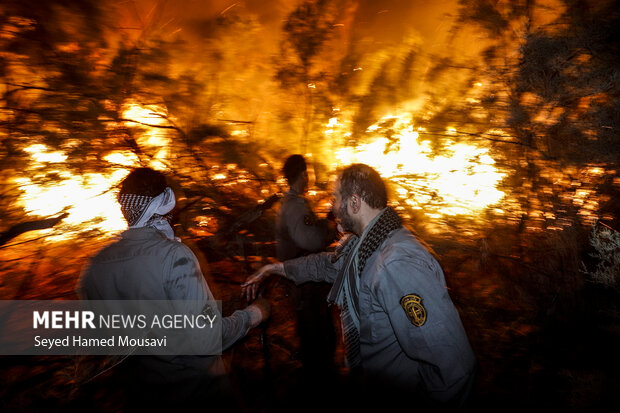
<point x="81" y="107"/>
<point x="549" y="85"/>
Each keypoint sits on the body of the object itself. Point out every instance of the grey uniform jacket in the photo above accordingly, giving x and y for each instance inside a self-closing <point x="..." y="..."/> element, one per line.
<point x="434" y="355"/>
<point x="145" y="265"/>
<point x="298" y="231"/>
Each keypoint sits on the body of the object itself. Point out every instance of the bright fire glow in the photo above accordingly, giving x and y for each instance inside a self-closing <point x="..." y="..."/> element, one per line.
<point x="39" y="153"/>
<point x="122" y="158"/>
<point x="87" y="199"/>
<point x="462" y="181"/>
<point x="153" y="137"/>
<point x="90" y="199"/>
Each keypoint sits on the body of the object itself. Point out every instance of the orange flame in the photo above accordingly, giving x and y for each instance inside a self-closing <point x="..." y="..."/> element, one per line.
<point x="463" y="181"/>
<point x="90" y="199"/>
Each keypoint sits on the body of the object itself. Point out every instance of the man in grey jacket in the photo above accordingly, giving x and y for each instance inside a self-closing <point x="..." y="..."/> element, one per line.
<point x="299" y="232"/>
<point x="401" y="331"/>
<point x="149" y="263"/>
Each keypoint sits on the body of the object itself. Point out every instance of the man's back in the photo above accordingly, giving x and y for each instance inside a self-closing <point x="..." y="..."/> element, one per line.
<point x="298" y="231"/>
<point x="149" y="263"/>
<point x="144" y="265"/>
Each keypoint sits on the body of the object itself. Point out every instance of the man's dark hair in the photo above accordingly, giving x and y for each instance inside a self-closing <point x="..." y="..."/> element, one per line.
<point x="144" y="181"/>
<point x="294" y="166"/>
<point x="364" y="181"/>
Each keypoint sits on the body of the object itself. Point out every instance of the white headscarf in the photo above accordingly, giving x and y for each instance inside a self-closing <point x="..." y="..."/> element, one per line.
<point x="143" y="211"/>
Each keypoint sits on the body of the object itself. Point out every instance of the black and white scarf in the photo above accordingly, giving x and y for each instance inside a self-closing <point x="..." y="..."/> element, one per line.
<point x="145" y="211"/>
<point x="345" y="291"/>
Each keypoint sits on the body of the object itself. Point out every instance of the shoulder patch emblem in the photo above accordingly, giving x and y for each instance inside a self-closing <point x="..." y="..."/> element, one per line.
<point x="416" y="313"/>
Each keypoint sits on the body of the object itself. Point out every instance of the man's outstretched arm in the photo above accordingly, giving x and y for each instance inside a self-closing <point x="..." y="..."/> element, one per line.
<point x="314" y="267"/>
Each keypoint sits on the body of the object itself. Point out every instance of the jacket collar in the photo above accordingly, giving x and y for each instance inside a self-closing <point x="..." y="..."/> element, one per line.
<point x="142" y="233"/>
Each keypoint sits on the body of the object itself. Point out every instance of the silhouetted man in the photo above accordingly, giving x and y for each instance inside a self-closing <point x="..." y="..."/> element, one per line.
<point x="298" y="233"/>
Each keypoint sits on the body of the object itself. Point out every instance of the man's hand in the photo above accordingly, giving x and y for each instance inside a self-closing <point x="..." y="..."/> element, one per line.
<point x="260" y="310"/>
<point x="249" y="288"/>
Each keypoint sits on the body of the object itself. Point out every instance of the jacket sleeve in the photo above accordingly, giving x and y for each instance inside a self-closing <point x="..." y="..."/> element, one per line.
<point x="307" y="232"/>
<point x="324" y="266"/>
<point x="186" y="282"/>
<point x="426" y="324"/>
<point x="313" y="267"/>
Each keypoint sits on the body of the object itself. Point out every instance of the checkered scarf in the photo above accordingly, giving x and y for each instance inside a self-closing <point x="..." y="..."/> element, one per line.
<point x="345" y="291"/>
<point x="146" y="211"/>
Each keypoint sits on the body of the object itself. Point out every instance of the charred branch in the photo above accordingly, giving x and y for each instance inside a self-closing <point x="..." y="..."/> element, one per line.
<point x="28" y="226"/>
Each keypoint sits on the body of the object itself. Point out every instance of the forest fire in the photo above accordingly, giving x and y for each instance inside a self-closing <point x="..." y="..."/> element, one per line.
<point x="494" y="123"/>
<point x="89" y="199"/>
<point x="152" y="136"/>
<point x="461" y="179"/>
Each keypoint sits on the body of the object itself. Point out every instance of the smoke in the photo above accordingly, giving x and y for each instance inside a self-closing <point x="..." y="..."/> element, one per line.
<point x="392" y="20"/>
<point x="385" y="22"/>
<point x="375" y="59"/>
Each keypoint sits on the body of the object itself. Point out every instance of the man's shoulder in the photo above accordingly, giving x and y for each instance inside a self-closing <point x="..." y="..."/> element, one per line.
<point x="127" y="246"/>
<point x="402" y="244"/>
<point x="115" y="247"/>
<point x="293" y="199"/>
<point x="294" y="205"/>
<point x="401" y="255"/>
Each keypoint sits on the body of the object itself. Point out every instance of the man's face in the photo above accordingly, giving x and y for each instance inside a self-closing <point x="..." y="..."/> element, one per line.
<point x="346" y="221"/>
<point x="301" y="182"/>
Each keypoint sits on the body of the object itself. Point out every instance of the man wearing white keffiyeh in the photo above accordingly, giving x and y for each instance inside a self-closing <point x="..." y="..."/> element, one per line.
<point x="403" y="337"/>
<point x="145" y="211"/>
<point x="149" y="263"/>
